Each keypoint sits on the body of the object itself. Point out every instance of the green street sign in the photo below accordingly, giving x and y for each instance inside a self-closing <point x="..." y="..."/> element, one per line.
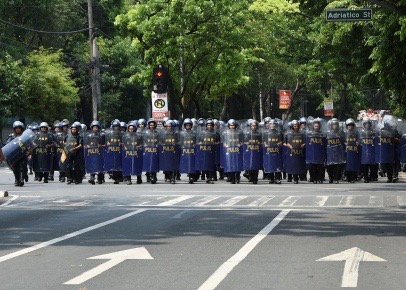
<point x="343" y="14"/>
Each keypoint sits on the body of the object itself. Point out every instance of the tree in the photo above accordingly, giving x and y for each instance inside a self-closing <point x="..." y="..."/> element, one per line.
<point x="49" y="92"/>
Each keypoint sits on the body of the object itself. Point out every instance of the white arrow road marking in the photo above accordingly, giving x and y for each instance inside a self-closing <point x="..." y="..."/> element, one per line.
<point x="14" y="197"/>
<point x="225" y="269"/>
<point x="352" y="258"/>
<point x="68" y="236"/>
<point x="114" y="259"/>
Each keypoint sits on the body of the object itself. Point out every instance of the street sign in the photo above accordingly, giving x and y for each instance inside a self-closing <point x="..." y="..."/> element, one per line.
<point x="114" y="259"/>
<point x="284" y="99"/>
<point x="328" y="108"/>
<point x="343" y="14"/>
<point x="159" y="106"/>
<point x="352" y="258"/>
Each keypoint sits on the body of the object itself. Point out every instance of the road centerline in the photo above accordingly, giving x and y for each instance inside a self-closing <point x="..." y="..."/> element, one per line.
<point x="218" y="276"/>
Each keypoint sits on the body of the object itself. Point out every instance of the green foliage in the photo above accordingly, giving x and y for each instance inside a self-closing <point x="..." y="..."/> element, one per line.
<point x="48" y="89"/>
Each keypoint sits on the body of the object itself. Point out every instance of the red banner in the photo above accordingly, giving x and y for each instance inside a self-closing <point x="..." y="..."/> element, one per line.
<point x="284" y="99"/>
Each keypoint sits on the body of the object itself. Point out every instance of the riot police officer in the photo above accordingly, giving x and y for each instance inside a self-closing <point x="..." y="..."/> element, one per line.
<point x="169" y="151"/>
<point x="74" y="154"/>
<point x="316" y="151"/>
<point x="94" y="142"/>
<point x="42" y="154"/>
<point x="232" y="140"/>
<point x="385" y="149"/>
<point x="272" y="139"/>
<point x="187" y="142"/>
<point x="252" y="152"/>
<point x="294" y="157"/>
<point x="19" y="167"/>
<point x="352" y="151"/>
<point x="368" y="165"/>
<point x="132" y="153"/>
<point x="335" y="151"/>
<point x="150" y="162"/>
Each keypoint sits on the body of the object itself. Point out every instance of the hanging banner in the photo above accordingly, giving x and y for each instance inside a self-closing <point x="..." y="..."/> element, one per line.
<point x="328" y="108"/>
<point x="284" y="99"/>
<point x="159" y="106"/>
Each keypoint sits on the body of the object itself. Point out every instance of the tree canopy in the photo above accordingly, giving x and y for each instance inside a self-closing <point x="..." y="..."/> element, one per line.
<point x="225" y="58"/>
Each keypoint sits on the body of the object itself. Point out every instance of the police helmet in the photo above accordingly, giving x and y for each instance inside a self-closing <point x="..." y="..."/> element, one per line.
<point x="151" y="120"/>
<point x="177" y="123"/>
<point x="366" y="121"/>
<point x="267" y="120"/>
<point x="187" y="121"/>
<point x="56" y="123"/>
<point x="18" y="124"/>
<point x="170" y="122"/>
<point x="84" y="127"/>
<point x="222" y="123"/>
<point x="115" y="122"/>
<point x="317" y="120"/>
<point x="273" y="121"/>
<point x="95" y="123"/>
<point x="255" y="122"/>
<point x="201" y="122"/>
<point x="66" y="121"/>
<point x="76" y="125"/>
<point x="209" y="122"/>
<point x="294" y="122"/>
<point x="164" y="120"/>
<point x="132" y="123"/>
<point x="123" y="125"/>
<point x="303" y="120"/>
<point x="142" y="121"/>
<point x="231" y="122"/>
<point x="43" y="124"/>
<point x="350" y="121"/>
<point x="388" y="124"/>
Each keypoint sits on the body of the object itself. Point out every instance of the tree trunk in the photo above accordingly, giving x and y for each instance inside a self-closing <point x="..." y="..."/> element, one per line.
<point x="343" y="102"/>
<point x="224" y="109"/>
<point x="299" y="86"/>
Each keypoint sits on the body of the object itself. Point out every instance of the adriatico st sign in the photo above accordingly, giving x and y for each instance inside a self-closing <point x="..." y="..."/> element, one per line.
<point x="343" y="14"/>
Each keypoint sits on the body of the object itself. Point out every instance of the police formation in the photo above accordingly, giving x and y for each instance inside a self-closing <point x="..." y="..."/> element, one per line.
<point x="208" y="150"/>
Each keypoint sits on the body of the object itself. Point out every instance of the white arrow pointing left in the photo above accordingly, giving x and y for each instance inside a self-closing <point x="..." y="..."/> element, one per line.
<point x="352" y="258"/>
<point x="114" y="259"/>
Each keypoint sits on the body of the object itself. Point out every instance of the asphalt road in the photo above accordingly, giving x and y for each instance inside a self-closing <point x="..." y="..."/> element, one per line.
<point x="202" y="236"/>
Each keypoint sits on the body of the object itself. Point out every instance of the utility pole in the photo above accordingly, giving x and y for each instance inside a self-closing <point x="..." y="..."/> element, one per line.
<point x="95" y="63"/>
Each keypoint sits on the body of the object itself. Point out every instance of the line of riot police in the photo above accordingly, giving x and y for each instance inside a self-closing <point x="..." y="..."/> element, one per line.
<point x="202" y="148"/>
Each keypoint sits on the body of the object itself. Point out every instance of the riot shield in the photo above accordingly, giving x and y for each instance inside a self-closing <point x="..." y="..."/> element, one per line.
<point x="150" y="161"/>
<point x="403" y="149"/>
<point x="316" y="151"/>
<point x="205" y="150"/>
<point x="272" y="150"/>
<point x="335" y="147"/>
<point x="385" y="145"/>
<point x="59" y="139"/>
<point x="132" y="153"/>
<point x="67" y="154"/>
<point x="94" y="152"/>
<point x="187" y="142"/>
<point x="169" y="150"/>
<point x="231" y="142"/>
<point x="252" y="150"/>
<point x="18" y="148"/>
<point x="367" y="137"/>
<point x="112" y="151"/>
<point x="293" y="154"/>
<point x="42" y="154"/>
<point x="352" y="151"/>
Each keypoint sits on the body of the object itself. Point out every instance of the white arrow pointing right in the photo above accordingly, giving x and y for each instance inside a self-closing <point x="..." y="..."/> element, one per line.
<point x="352" y="258"/>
